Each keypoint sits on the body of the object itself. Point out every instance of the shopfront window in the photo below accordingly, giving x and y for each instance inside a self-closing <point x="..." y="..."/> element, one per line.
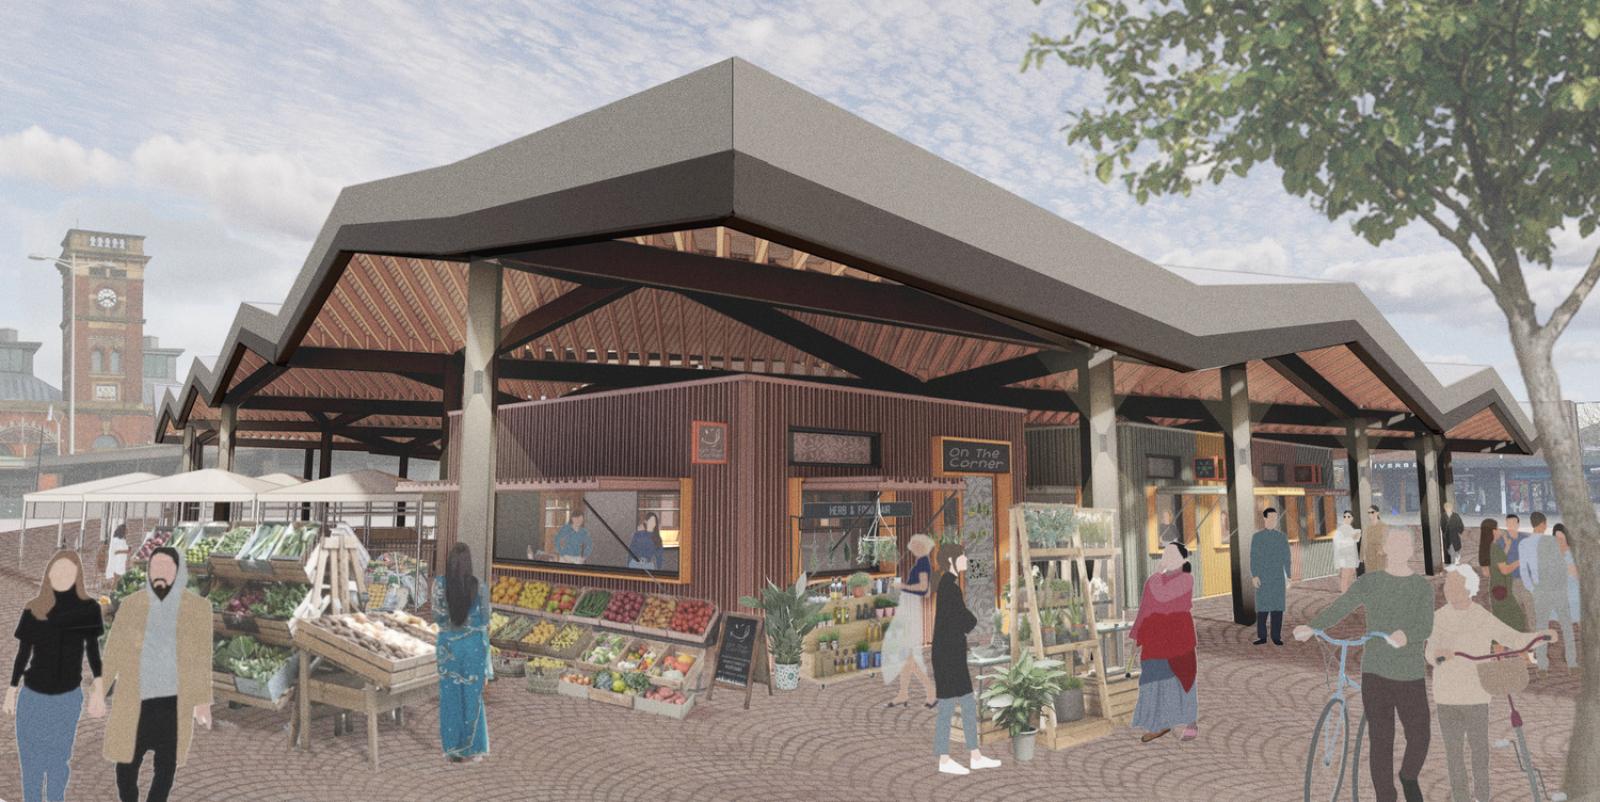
<point x="624" y="531"/>
<point x="830" y="546"/>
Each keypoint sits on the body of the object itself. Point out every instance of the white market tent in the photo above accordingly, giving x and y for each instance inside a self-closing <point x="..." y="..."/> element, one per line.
<point x="354" y="498"/>
<point x="282" y="479"/>
<point x="208" y="486"/>
<point x="66" y="495"/>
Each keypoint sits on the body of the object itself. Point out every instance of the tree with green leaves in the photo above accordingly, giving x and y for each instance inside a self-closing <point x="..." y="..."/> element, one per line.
<point x="1480" y="120"/>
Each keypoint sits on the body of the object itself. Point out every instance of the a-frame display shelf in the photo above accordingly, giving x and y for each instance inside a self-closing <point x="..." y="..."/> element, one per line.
<point x="1026" y="600"/>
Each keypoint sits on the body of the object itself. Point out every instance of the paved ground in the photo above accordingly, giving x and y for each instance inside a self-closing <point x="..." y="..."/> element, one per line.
<point x="1257" y="708"/>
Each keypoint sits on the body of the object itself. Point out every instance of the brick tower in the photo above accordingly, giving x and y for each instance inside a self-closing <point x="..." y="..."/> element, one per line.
<point x="102" y="347"/>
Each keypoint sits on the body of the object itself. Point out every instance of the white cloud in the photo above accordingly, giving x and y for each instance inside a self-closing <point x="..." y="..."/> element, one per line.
<point x="1265" y="255"/>
<point x="38" y="155"/>
<point x="267" y="190"/>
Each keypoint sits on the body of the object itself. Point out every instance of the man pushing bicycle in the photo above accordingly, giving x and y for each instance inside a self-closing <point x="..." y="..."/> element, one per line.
<point x="1393" y="671"/>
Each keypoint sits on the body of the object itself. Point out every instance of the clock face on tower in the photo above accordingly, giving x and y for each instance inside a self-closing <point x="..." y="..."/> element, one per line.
<point x="107" y="298"/>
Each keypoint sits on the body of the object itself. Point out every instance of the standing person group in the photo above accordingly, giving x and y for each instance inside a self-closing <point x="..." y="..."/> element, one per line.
<point x="1164" y="631"/>
<point x="461" y="609"/>
<point x="952" y="679"/>
<point x="1544" y="573"/>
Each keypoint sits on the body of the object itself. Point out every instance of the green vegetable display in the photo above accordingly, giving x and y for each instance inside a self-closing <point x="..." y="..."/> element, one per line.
<point x="593" y="604"/>
<point x="280" y="602"/>
<point x="131" y="582"/>
<point x="244" y="656"/>
<point x="232" y="541"/>
<point x="220" y="593"/>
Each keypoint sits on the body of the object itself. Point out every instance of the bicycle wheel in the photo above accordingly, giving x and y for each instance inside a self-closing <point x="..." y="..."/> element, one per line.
<point x="1355" y="759"/>
<point x="1330" y="749"/>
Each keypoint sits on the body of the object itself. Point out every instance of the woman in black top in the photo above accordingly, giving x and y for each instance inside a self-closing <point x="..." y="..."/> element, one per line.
<point x="59" y="628"/>
<point x="952" y="680"/>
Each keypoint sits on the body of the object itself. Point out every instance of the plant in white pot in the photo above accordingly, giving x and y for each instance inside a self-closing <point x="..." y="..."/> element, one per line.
<point x="790" y="615"/>
<point x="1015" y="695"/>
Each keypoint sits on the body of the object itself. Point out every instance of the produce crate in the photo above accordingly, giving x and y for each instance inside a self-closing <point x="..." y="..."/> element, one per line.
<point x="369" y="665"/>
<point x="656" y="632"/>
<point x="627" y="643"/>
<point x="696" y="638"/>
<point x="690" y="676"/>
<point x="594" y="619"/>
<point x="622" y="700"/>
<point x="573" y="690"/>
<point x="544" y="682"/>
<point x="510" y="664"/>
<point x="567" y="616"/>
<point x="275" y="686"/>
<point x="271" y="631"/>
<point x="571" y="652"/>
<point x="667" y="709"/>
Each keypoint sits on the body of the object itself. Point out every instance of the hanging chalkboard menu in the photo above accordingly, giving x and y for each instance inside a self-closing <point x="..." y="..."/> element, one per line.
<point x="741" y="655"/>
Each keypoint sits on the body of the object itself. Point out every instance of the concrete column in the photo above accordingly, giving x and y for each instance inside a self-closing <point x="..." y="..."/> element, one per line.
<point x="325" y="458"/>
<point x="1358" y="456"/>
<point x="1431" y="499"/>
<point x="188" y="462"/>
<point x="1235" y="423"/>
<point x="229" y="414"/>
<point x="1101" y="411"/>
<point x="476" y="476"/>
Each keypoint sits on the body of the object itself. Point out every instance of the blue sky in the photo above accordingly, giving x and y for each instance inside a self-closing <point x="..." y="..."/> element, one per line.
<point x="224" y="132"/>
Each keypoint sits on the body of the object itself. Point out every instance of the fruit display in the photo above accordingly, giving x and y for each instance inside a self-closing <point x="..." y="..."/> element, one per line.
<point x="639" y="657"/>
<point x="692" y="616"/>
<point x="506" y="590"/>
<point x="577" y="678"/>
<point x="566" y="638"/>
<point x="606" y="649"/>
<point x="673" y="667"/>
<point x="667" y="695"/>
<point x="496" y="622"/>
<point x="657" y="612"/>
<point x="200" y="551"/>
<point x="624" y="607"/>
<point x="533" y="595"/>
<point x="546" y="664"/>
<point x="541" y="634"/>
<point x="231" y="542"/>
<point x="371" y="632"/>
<point x="156" y="540"/>
<point x="561" y="600"/>
<point x="629" y="682"/>
<point x="593" y="604"/>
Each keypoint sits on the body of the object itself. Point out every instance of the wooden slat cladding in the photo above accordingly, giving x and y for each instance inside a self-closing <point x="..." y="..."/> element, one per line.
<point x="740" y="516"/>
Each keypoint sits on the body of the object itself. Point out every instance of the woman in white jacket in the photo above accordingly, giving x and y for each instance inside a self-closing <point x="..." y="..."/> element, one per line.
<point x="1346" y="551"/>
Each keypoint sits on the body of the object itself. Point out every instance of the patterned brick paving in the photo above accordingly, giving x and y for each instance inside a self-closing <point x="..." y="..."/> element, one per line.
<point x="1257" y="707"/>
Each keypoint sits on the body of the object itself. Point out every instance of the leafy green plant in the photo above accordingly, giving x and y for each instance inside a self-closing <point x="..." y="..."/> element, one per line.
<point x="790" y="616"/>
<point x="1015" y="695"/>
<point x="859" y="580"/>
<point x="1072" y="684"/>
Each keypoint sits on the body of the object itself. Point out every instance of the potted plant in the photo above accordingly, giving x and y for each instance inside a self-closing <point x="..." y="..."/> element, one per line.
<point x="859" y="582"/>
<point x="1015" y="696"/>
<point x="863" y="658"/>
<point x="1049" y="621"/>
<point x="790" y="616"/>
<point x="1059" y="591"/>
<point x="1069" y="702"/>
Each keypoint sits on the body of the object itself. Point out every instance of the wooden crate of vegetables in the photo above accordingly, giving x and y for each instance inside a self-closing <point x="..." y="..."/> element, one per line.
<point x="386" y="649"/>
<point x="258" y="670"/>
<point x="692" y="620"/>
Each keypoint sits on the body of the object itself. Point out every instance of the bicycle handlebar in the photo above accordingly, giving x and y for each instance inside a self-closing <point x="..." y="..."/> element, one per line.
<point x="1361" y="641"/>
<point x="1503" y="655"/>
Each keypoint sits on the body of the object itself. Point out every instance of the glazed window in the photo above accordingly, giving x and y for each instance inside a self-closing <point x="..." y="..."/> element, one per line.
<point x="1158" y="466"/>
<point x="830" y="546"/>
<point x="632" y="533"/>
<point x="1272" y="473"/>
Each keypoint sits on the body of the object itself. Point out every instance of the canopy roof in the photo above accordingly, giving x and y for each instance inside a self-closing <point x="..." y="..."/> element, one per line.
<point x="356" y="487"/>
<point x="729" y="222"/>
<point x="80" y="491"/>
<point x="208" y="485"/>
<point x="282" y="479"/>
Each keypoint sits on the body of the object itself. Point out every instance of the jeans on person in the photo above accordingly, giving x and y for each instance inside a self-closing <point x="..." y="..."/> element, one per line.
<point x="1382" y="700"/>
<point x="969" y="723"/>
<point x="158" y="733"/>
<point x="47" y="724"/>
<point x="1277" y="624"/>
<point x="1558" y="610"/>
<point x="1469" y="723"/>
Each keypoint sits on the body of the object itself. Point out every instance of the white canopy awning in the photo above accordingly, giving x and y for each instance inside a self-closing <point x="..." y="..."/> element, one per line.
<point x="282" y="479"/>
<point x="72" y="494"/>
<point x="356" y="487"/>
<point x="209" y="485"/>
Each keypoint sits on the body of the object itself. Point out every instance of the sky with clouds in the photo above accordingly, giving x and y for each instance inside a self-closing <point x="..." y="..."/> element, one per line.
<point x="223" y="131"/>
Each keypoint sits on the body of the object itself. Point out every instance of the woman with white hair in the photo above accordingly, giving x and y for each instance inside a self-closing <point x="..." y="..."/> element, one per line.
<point x="1463" y="704"/>
<point x="902" y="643"/>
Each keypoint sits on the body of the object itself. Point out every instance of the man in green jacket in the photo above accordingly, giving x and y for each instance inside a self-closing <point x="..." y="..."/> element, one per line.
<point x="1398" y="602"/>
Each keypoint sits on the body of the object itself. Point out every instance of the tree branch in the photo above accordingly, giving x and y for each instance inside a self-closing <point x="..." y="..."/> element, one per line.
<point x="1569" y="307"/>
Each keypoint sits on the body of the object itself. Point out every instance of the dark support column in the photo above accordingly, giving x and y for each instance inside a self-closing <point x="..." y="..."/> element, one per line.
<point x="228" y="416"/>
<point x="325" y="458"/>
<point x="311" y="456"/>
<point x="1430" y="499"/>
<point x="1235" y="411"/>
<point x="452" y="403"/>
<point x="404" y="472"/>
<point x="1358" y="456"/>
<point x="476" y="477"/>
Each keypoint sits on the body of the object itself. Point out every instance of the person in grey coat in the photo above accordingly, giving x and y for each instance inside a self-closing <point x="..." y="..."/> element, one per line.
<point x="1269" y="573"/>
<point x="1546" y="577"/>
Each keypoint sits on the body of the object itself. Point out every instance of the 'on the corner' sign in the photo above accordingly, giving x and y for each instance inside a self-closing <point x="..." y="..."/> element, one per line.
<point x="973" y="456"/>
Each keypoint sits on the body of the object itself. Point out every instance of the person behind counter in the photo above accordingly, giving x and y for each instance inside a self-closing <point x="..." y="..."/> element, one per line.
<point x="573" y="544"/>
<point x="646" y="545"/>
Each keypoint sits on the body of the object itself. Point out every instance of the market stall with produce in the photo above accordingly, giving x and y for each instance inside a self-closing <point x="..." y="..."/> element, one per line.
<point x="60" y="502"/>
<point x="385" y="518"/>
<point x="202" y="487"/>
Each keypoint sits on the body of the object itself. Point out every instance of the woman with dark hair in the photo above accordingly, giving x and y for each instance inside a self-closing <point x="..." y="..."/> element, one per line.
<point x="461" y="609"/>
<point x="952" y="681"/>
<point x="1164" y="630"/>
<point x="60" y="627"/>
<point x="646" y="545"/>
<point x="1560" y="532"/>
<point x="1502" y="594"/>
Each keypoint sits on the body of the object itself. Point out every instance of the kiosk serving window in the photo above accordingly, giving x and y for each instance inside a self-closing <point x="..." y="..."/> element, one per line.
<point x="622" y="531"/>
<point x="832" y="545"/>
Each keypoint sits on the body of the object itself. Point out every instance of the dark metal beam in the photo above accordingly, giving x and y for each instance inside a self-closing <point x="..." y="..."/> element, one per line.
<point x="573" y="304"/>
<point x="369" y="360"/>
<point x="1298" y="372"/>
<point x="873" y="301"/>
<point x="370" y="406"/>
<point x="1010" y="371"/>
<point x="262" y="377"/>
<point x="811" y="340"/>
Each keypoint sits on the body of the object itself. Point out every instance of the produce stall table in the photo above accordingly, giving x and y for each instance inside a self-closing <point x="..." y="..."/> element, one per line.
<point x="347" y="692"/>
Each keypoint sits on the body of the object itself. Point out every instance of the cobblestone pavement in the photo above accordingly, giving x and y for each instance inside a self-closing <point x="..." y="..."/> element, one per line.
<point x="1257" y="707"/>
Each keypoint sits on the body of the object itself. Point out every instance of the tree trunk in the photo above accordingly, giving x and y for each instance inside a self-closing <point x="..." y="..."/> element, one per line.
<point x="1558" y="443"/>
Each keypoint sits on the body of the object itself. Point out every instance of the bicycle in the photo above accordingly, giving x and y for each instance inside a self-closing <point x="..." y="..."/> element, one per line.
<point x="1333" y="728"/>
<point x="1506" y="679"/>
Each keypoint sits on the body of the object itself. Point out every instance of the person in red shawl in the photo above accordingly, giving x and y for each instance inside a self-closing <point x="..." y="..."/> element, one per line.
<point x="1164" y="631"/>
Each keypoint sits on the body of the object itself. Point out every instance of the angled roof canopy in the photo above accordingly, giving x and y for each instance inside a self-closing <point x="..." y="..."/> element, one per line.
<point x="695" y="230"/>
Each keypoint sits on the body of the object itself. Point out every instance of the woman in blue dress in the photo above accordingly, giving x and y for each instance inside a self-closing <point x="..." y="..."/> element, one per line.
<point x="461" y="609"/>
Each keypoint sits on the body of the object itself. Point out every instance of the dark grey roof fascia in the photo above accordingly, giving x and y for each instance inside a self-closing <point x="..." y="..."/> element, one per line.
<point x="733" y="144"/>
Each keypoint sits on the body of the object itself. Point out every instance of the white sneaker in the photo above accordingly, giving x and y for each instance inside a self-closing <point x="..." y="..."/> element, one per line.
<point x="984" y="762"/>
<point x="948" y="766"/>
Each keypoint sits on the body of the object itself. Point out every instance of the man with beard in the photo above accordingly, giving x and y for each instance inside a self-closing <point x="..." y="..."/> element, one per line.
<point x="159" y="656"/>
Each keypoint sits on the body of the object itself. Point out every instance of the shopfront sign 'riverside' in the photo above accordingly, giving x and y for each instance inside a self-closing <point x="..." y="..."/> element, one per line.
<point x="974" y="456"/>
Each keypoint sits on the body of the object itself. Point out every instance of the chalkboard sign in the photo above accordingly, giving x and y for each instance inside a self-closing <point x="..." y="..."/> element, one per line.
<point x="1207" y="468"/>
<point x="710" y="443"/>
<point x="741" y="655"/>
<point x="856" y="509"/>
<point x="974" y="456"/>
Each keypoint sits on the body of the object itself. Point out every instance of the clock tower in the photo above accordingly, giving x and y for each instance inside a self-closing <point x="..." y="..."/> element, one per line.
<point x="102" y="348"/>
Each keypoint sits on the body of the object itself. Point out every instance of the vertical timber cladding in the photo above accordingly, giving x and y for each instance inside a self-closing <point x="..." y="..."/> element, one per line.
<point x="740" y="511"/>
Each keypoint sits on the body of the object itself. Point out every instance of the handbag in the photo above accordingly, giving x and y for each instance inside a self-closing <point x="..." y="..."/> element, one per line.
<point x="1361" y="568"/>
